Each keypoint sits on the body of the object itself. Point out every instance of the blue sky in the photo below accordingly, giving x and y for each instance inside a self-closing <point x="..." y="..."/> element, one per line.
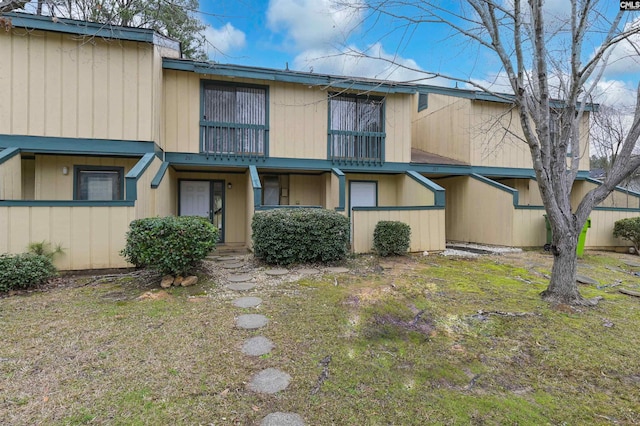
<point x="309" y="35"/>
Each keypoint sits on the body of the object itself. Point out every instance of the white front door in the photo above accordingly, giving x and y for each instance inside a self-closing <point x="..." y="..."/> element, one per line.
<point x="195" y="198"/>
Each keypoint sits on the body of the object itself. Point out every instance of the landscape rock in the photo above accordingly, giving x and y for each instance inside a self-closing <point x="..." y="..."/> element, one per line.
<point x="189" y="281"/>
<point x="178" y="280"/>
<point x="257" y="346"/>
<point x="282" y="419"/>
<point x="269" y="381"/>
<point x="167" y="281"/>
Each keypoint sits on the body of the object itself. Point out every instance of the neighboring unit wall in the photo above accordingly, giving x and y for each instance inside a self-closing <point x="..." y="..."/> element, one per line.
<point x="64" y="85"/>
<point x="52" y="184"/>
<point x="528" y="191"/>
<point x="600" y="235"/>
<point x="397" y="128"/>
<point x="443" y="127"/>
<point x="618" y="198"/>
<point x="91" y="237"/>
<point x="166" y="195"/>
<point x="11" y="179"/>
<point x="306" y="190"/>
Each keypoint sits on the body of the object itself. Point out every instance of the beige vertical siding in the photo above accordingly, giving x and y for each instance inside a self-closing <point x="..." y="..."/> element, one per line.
<point x="615" y="199"/>
<point x="51" y="184"/>
<point x="235" y="200"/>
<point x="166" y="195"/>
<point x="92" y="237"/>
<point x="305" y="190"/>
<point x="11" y="179"/>
<point x="477" y="212"/>
<point x="528" y="191"/>
<point x="427" y="228"/>
<point x="398" y="110"/>
<point x="529" y="229"/>
<point x="298" y="117"/>
<point x="443" y="128"/>
<point x="600" y="235"/>
<point x="412" y="193"/>
<point x="332" y="191"/>
<point x="249" y="209"/>
<point x="145" y="203"/>
<point x="55" y="84"/>
<point x="28" y="178"/>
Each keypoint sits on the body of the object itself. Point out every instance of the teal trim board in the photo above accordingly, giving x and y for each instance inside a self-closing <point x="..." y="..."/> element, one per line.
<point x="617" y="188"/>
<point x="8" y="153"/>
<point x="498" y="185"/>
<point x="341" y="188"/>
<point x="76" y="146"/>
<point x="438" y="191"/>
<point x="157" y="180"/>
<point x="66" y="203"/>
<point x="89" y="29"/>
<point x="135" y="173"/>
<point x="257" y="187"/>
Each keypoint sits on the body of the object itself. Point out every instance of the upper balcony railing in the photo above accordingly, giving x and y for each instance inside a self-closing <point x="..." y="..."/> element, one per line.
<point x="356" y="147"/>
<point x="233" y="139"/>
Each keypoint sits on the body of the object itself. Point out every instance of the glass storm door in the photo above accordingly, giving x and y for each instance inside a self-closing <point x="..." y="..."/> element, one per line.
<point x="203" y="198"/>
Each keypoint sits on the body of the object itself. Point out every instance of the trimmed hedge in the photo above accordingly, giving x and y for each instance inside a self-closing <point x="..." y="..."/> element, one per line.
<point x="391" y="237"/>
<point x="171" y="245"/>
<point x="628" y="229"/>
<point x="286" y="236"/>
<point x="24" y="270"/>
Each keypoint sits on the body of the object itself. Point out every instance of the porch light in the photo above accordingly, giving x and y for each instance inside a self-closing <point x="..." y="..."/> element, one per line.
<point x="65" y="170"/>
<point x="229" y="186"/>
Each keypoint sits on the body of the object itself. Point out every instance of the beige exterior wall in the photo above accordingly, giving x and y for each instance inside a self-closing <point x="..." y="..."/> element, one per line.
<point x="298" y="118"/>
<point x="427" y="228"/>
<point x="306" y="190"/>
<point x="615" y="199"/>
<point x="91" y="237"/>
<point x="412" y="193"/>
<point x="249" y="209"/>
<point x="11" y="179"/>
<point x="529" y="229"/>
<point x="443" y="128"/>
<point x="235" y="202"/>
<point x="528" y="191"/>
<point x="600" y="235"/>
<point x="55" y="84"/>
<point x="51" y="184"/>
<point x="387" y="187"/>
<point x="145" y="203"/>
<point x="28" y="178"/>
<point x="166" y="195"/>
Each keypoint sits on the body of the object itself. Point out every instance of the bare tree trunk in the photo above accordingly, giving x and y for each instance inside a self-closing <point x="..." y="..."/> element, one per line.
<point x="562" y="287"/>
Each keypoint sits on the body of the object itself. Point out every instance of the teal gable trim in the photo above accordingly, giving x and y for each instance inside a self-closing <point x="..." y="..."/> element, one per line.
<point x="341" y="188"/>
<point x="256" y="73"/>
<point x="135" y="173"/>
<point x="66" y="203"/>
<point x="505" y="188"/>
<point x="8" y="153"/>
<point x="438" y="191"/>
<point x="77" y="146"/>
<point x="618" y="209"/>
<point x="89" y="29"/>
<point x="397" y="208"/>
<point x="160" y="175"/>
<point x="617" y="188"/>
<point x="257" y="187"/>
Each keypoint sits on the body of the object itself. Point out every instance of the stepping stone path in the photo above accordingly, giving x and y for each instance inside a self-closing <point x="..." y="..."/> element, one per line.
<point x="257" y="346"/>
<point x="251" y="321"/>
<point x="241" y="286"/>
<point x="631" y="263"/>
<point x="586" y="280"/>
<point x="271" y="380"/>
<point x="282" y="419"/>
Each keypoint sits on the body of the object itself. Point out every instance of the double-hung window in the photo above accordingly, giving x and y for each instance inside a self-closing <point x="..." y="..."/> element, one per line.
<point x="95" y="183"/>
<point x="356" y="130"/>
<point x="234" y="119"/>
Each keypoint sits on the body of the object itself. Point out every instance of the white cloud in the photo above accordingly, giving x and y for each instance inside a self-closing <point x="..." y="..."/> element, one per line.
<point x="374" y="63"/>
<point x="615" y="93"/>
<point x="625" y="56"/>
<point x="224" y="40"/>
<point x="312" y="24"/>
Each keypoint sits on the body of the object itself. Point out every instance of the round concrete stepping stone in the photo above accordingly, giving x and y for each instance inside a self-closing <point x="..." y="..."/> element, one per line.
<point x="211" y="257"/>
<point x="276" y="272"/>
<point x="239" y="278"/>
<point x="586" y="280"/>
<point x="247" y="302"/>
<point x="241" y="286"/>
<point x="631" y="263"/>
<point x="232" y="265"/>
<point x="309" y="271"/>
<point x="257" y="346"/>
<point x="251" y="321"/>
<point x="227" y="258"/>
<point x="282" y="419"/>
<point x="269" y="381"/>
<point x="337" y="269"/>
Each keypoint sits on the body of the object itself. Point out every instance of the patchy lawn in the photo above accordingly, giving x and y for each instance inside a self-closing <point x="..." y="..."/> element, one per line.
<point x="407" y="345"/>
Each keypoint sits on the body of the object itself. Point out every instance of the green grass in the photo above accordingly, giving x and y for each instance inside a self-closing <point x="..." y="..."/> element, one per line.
<point x="407" y="348"/>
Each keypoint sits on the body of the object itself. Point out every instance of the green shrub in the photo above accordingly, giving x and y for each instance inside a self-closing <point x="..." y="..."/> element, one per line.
<point x="628" y="229"/>
<point x="24" y="270"/>
<point x="391" y="237"/>
<point x="172" y="245"/>
<point x="286" y="236"/>
<point x="45" y="248"/>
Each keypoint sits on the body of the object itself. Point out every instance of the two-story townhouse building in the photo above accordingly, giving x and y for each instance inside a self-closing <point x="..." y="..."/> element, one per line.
<point x="102" y="125"/>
